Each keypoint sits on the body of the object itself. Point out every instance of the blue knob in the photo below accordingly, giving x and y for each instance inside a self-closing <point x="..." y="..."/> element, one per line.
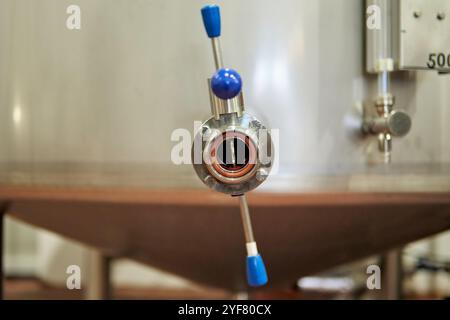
<point x="256" y="271"/>
<point x="226" y="83"/>
<point x="211" y="20"/>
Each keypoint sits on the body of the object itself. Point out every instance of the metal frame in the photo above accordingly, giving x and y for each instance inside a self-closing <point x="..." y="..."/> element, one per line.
<point x="2" y="214"/>
<point x="3" y="210"/>
<point x="392" y="275"/>
<point x="99" y="276"/>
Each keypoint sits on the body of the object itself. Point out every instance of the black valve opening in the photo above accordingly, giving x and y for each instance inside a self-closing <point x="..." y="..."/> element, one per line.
<point x="233" y="154"/>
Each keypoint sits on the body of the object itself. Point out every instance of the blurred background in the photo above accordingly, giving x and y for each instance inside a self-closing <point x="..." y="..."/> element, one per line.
<point x="36" y="262"/>
<point x="86" y="177"/>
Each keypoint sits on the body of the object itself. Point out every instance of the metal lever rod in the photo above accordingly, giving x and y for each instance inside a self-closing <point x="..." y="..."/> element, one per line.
<point x="246" y="221"/>
<point x="256" y="270"/>
<point x="211" y="20"/>
<point x="217" y="53"/>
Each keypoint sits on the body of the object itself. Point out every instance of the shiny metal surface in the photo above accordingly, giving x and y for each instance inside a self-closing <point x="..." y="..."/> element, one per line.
<point x="220" y="106"/>
<point x="423" y="35"/>
<point x="398" y="123"/>
<point x="407" y="34"/>
<point x="382" y="46"/>
<point x="96" y="108"/>
<point x="111" y="93"/>
<point x="395" y="122"/>
<point x="382" y="33"/>
<point x="89" y="96"/>
<point x="246" y="220"/>
<point x="230" y="126"/>
<point x="217" y="53"/>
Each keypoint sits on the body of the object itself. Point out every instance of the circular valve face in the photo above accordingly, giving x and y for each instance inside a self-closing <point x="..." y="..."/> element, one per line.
<point x="399" y="123"/>
<point x="232" y="155"/>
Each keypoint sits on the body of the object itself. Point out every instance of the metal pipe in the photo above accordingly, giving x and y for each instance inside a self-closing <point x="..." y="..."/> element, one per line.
<point x="393" y="275"/>
<point x="381" y="44"/>
<point x="246" y="221"/>
<point x="217" y="53"/>
<point x="2" y="217"/>
<point x="385" y="146"/>
<point x="384" y="83"/>
<point x="100" y="286"/>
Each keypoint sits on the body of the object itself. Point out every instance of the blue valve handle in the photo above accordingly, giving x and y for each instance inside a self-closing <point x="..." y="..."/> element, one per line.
<point x="211" y="20"/>
<point x="256" y="271"/>
<point x="225" y="83"/>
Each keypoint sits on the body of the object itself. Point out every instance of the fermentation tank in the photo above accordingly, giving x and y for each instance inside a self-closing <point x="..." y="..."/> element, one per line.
<point x="96" y="108"/>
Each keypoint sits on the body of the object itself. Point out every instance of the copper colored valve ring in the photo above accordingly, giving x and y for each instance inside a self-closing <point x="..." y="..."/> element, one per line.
<point x="218" y="165"/>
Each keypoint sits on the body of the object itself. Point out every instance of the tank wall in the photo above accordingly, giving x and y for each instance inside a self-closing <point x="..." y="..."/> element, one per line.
<point x="114" y="91"/>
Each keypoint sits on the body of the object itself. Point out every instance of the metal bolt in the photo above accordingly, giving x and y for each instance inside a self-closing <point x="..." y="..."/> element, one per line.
<point x="441" y="15"/>
<point x="261" y="174"/>
<point x="417" y="14"/>
<point x="207" y="179"/>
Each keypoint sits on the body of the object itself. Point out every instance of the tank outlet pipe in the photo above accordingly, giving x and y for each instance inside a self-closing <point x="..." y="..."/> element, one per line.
<point x="382" y="120"/>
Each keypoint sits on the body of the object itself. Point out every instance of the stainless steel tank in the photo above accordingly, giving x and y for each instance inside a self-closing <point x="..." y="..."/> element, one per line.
<point x="113" y="92"/>
<point x="97" y="106"/>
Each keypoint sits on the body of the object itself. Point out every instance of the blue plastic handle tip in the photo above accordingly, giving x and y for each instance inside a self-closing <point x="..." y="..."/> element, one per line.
<point x="226" y="84"/>
<point x="211" y="20"/>
<point x="256" y="271"/>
